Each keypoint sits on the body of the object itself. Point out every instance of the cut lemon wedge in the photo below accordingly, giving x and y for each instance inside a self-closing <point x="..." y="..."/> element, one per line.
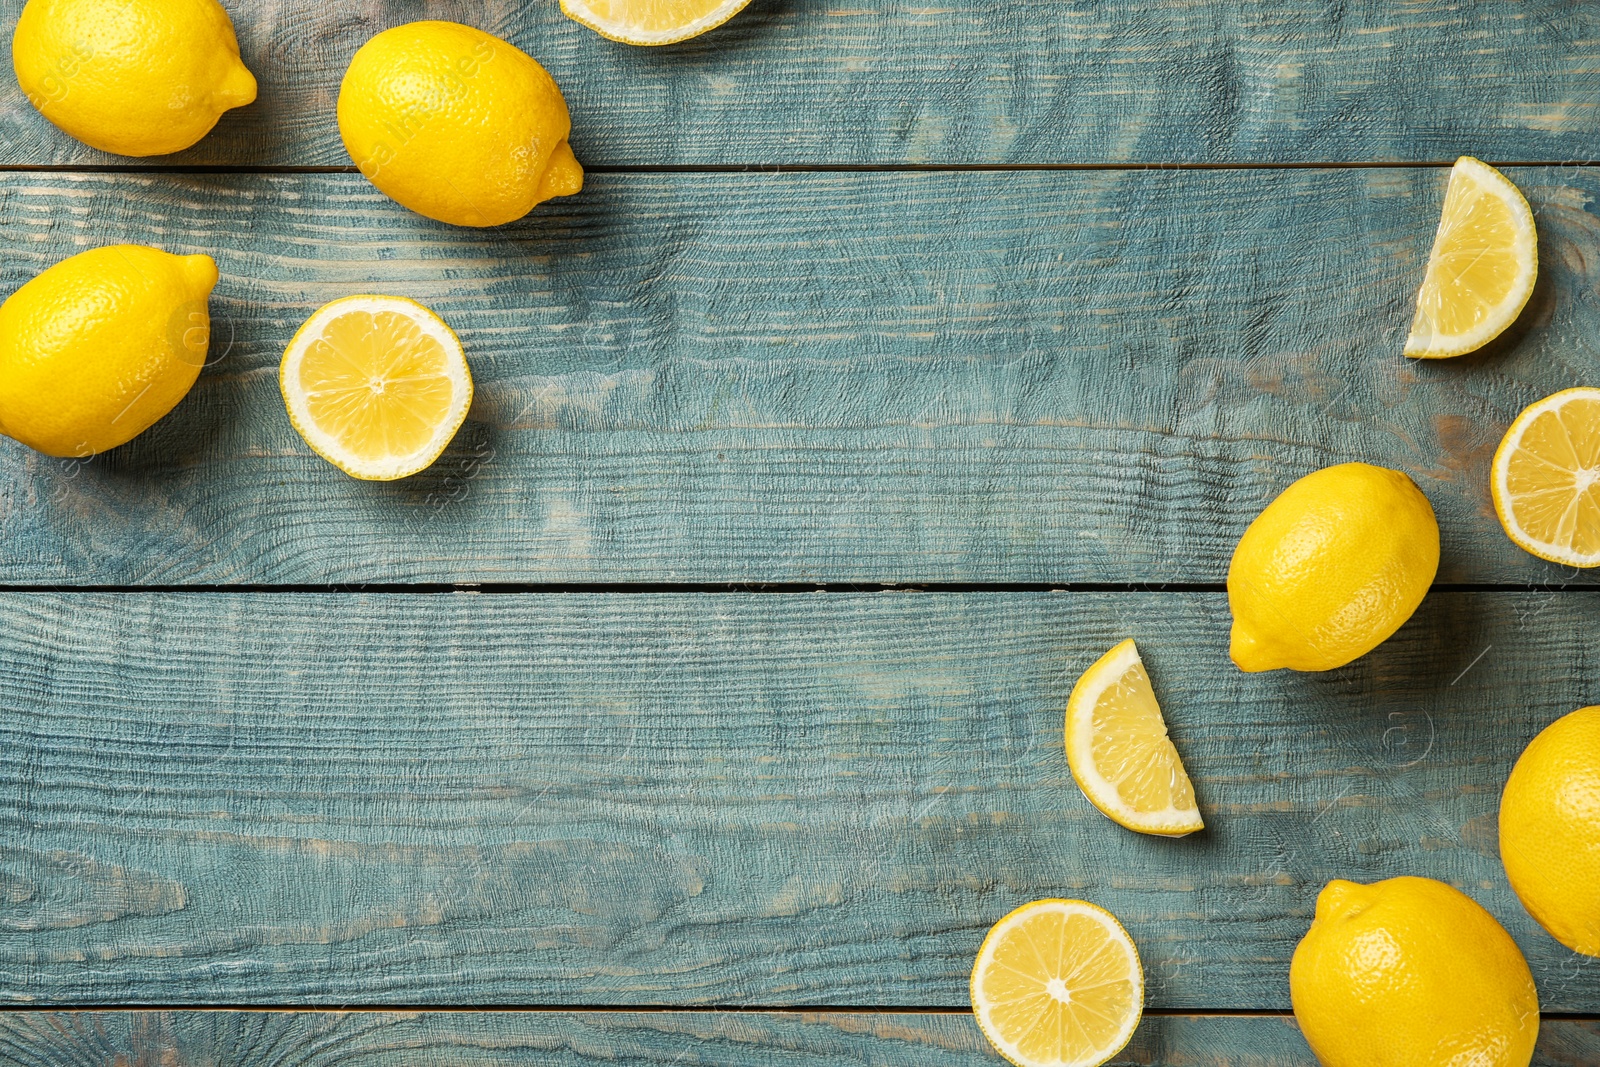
<point x="1481" y="271"/>
<point x="651" y="22"/>
<point x="1119" y="752"/>
<point x="1058" y="984"/>
<point x="1546" y="478"/>
<point x="377" y="385"/>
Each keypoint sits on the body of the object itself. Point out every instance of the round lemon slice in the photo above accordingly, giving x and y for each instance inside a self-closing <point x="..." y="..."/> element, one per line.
<point x="1058" y="983"/>
<point x="1545" y="480"/>
<point x="377" y="385"/>
<point x="1119" y="751"/>
<point x="651" y="22"/>
<point x="1482" y="268"/>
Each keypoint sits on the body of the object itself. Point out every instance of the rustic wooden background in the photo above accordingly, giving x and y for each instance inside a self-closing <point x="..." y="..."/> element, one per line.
<point x="702" y="705"/>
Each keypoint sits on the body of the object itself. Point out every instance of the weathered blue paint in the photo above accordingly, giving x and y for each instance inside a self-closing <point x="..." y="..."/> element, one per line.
<point x="1029" y="81"/>
<point x="1017" y="377"/>
<point x="641" y="1039"/>
<point x="759" y="799"/>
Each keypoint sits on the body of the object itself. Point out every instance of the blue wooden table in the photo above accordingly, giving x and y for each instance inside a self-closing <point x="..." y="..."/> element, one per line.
<point x="703" y="704"/>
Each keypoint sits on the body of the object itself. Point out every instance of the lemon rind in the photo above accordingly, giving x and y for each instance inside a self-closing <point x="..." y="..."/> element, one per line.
<point x="611" y="31"/>
<point x="1511" y="307"/>
<point x="1105" y="672"/>
<point x="326" y="446"/>
<point x="1066" y="907"/>
<point x="1500" y="491"/>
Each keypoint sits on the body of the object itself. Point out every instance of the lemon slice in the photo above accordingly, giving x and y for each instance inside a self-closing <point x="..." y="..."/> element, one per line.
<point x="377" y="385"/>
<point x="1546" y="478"/>
<point x="1057" y="983"/>
<point x="1119" y="752"/>
<point x="1482" y="268"/>
<point x="651" y="22"/>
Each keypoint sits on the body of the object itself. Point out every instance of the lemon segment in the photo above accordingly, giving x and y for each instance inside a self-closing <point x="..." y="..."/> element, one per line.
<point x="1545" y="479"/>
<point x="1482" y="268"/>
<point x="651" y="22"/>
<point x="1058" y="983"/>
<point x="1119" y="751"/>
<point x="377" y="385"/>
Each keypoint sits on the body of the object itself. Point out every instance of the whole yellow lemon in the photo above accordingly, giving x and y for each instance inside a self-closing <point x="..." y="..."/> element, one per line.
<point x="1330" y="569"/>
<point x="101" y="345"/>
<point x="456" y="124"/>
<point x="1410" y="972"/>
<point x="1550" y="829"/>
<point x="134" y="77"/>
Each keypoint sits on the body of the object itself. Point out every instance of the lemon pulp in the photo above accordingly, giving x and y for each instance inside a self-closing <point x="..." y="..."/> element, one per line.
<point x="1058" y="984"/>
<point x="1546" y="479"/>
<point x="1482" y="267"/>
<point x="1119" y="751"/>
<point x="376" y="385"/>
<point x="651" y="22"/>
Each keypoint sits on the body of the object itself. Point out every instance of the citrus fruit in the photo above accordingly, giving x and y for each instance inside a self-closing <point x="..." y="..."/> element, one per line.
<point x="1550" y="829"/>
<point x="98" y="347"/>
<point x="456" y="124"/>
<point x="1482" y="268"/>
<point x="134" y="77"/>
<point x="377" y="385"/>
<point x="1410" y="972"/>
<point x="1545" y="478"/>
<point x="1119" y="752"/>
<point x="1330" y="569"/>
<point x="651" y="22"/>
<point x="1057" y="983"/>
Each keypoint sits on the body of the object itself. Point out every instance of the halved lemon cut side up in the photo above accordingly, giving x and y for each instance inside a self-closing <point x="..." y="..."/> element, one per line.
<point x="1119" y="751"/>
<point x="1058" y="984"/>
<point x="1482" y="268"/>
<point x="1546" y="478"/>
<point x="377" y="385"/>
<point x="651" y="22"/>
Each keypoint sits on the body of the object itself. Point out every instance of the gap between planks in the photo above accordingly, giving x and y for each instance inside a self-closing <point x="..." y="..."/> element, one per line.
<point x="801" y="168"/>
<point x="776" y="588"/>
<point x="664" y="1009"/>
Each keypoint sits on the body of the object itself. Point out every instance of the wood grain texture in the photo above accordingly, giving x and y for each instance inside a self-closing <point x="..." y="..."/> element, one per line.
<point x="758" y="799"/>
<point x="1031" y="81"/>
<point x="636" y="1039"/>
<point x="1039" y="377"/>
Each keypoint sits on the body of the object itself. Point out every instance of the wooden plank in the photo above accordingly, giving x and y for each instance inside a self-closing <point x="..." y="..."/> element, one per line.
<point x="1032" y="81"/>
<point x="1020" y="377"/>
<point x="1023" y="376"/>
<point x="641" y="1039"/>
<point x="757" y="799"/>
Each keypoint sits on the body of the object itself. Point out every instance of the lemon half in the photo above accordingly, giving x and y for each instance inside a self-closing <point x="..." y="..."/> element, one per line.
<point x="377" y="385"/>
<point x="1119" y="751"/>
<point x="1545" y="479"/>
<point x="651" y="22"/>
<point x="1058" y="983"/>
<point x="1482" y="268"/>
